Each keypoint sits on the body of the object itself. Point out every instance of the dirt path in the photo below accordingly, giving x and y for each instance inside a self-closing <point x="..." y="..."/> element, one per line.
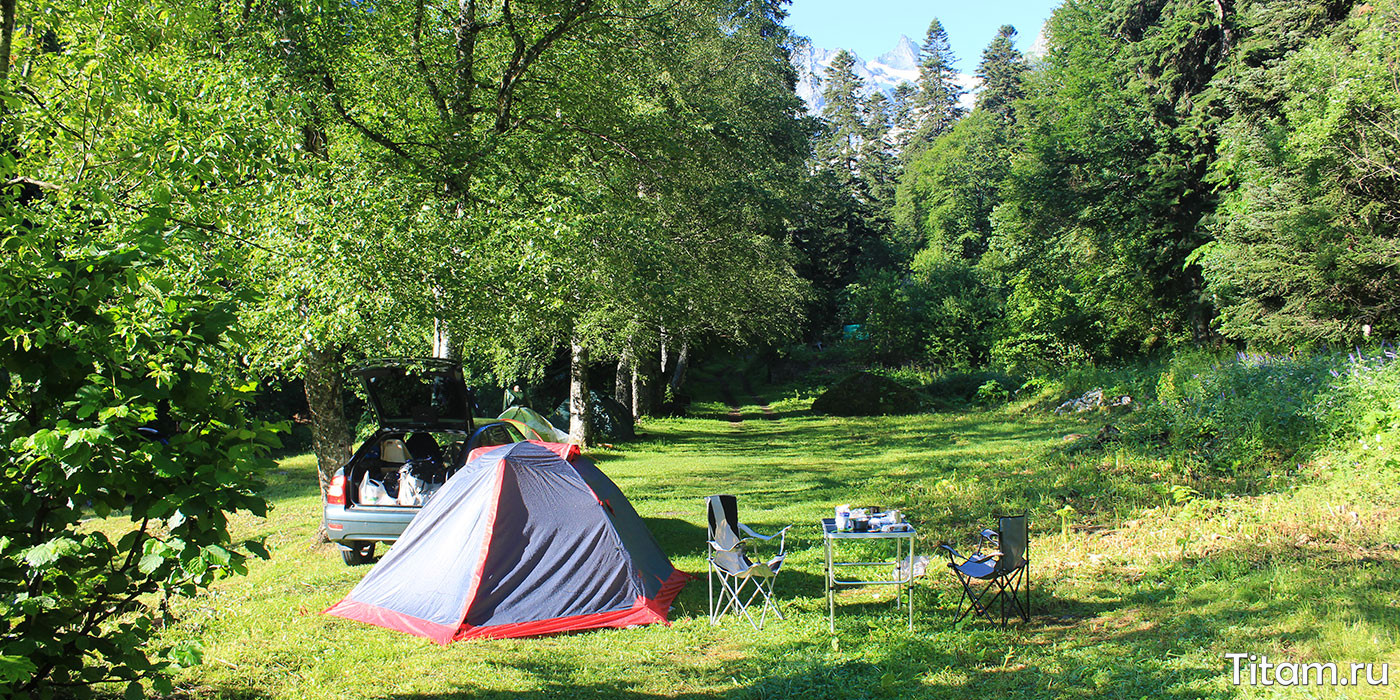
<point x="735" y="414"/>
<point x="768" y="413"/>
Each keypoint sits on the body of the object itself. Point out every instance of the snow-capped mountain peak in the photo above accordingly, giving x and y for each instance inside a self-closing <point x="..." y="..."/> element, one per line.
<point x="905" y="56"/>
<point x="900" y="65"/>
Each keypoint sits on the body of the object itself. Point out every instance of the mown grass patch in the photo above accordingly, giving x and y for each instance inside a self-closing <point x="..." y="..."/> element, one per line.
<point x="1144" y="576"/>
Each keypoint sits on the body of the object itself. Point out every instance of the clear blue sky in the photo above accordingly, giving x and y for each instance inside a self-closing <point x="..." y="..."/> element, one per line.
<point x="871" y="27"/>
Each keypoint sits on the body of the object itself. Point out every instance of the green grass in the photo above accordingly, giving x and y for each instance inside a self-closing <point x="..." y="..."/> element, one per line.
<point x="1138" y="592"/>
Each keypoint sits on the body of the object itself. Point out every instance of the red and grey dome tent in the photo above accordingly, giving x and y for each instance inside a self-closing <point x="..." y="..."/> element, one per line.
<point x="519" y="543"/>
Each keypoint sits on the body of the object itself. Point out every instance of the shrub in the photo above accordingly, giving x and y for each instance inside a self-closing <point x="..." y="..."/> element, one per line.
<point x="1037" y="353"/>
<point x="941" y="314"/>
<point x="963" y="387"/>
<point x="866" y="394"/>
<point x="890" y="314"/>
<point x="109" y="408"/>
<point x="1239" y="413"/>
<point x="1363" y="409"/>
<point x="992" y="392"/>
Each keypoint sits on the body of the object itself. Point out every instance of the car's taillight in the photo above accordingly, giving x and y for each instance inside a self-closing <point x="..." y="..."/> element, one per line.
<point x="335" y="493"/>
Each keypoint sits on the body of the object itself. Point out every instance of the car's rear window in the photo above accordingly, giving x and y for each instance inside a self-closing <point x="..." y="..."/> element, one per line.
<point x="423" y="399"/>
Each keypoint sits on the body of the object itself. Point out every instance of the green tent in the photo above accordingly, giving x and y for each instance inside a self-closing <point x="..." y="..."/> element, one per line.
<point x="536" y="423"/>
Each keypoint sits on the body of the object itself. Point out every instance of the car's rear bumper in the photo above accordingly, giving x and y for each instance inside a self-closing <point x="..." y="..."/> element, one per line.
<point x="367" y="523"/>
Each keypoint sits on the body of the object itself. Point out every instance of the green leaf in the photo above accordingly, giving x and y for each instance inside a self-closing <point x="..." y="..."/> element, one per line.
<point x="217" y="554"/>
<point x="50" y="552"/>
<point x="258" y="548"/>
<point x="152" y="561"/>
<point x="187" y="654"/>
<point x="14" y="669"/>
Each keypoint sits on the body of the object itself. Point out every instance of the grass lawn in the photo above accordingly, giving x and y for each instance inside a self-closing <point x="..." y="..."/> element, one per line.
<point x="1139" y="588"/>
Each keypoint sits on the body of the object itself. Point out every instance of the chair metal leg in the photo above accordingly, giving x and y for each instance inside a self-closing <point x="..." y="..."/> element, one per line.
<point x="732" y="597"/>
<point x="1001" y="597"/>
<point x="1021" y="587"/>
<point x="961" y="597"/>
<point x="736" y="595"/>
<point x="748" y="602"/>
<point x="830" y="587"/>
<point x="973" y="598"/>
<point x="977" y="600"/>
<point x="733" y="588"/>
<point x="1009" y="593"/>
<point x="768" y="601"/>
<point x="710" y="576"/>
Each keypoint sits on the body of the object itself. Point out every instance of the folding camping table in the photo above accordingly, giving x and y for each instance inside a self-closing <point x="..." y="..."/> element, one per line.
<point x="830" y="536"/>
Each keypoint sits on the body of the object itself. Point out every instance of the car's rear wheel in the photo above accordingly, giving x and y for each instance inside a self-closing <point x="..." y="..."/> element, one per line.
<point x="359" y="553"/>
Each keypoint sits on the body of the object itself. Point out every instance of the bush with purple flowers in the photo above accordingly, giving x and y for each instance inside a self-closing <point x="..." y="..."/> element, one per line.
<point x="1240" y="415"/>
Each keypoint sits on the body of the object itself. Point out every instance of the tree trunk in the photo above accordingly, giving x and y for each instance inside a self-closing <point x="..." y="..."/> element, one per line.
<point x="7" y="34"/>
<point x="442" y="340"/>
<point x="678" y="371"/>
<point x="331" y="436"/>
<point x="1227" y="37"/>
<point x="645" y="385"/>
<point x="622" y="385"/>
<point x="580" y="408"/>
<point x="666" y="354"/>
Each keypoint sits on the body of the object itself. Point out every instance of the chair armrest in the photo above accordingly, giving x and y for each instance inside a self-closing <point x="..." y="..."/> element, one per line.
<point x="782" y="543"/>
<point x="948" y="551"/>
<point x="989" y="535"/>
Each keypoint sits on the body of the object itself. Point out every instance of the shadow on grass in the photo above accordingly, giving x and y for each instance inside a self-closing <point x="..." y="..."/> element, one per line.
<point x="221" y="692"/>
<point x="677" y="537"/>
<point x="1151" y="630"/>
<point x="795" y="680"/>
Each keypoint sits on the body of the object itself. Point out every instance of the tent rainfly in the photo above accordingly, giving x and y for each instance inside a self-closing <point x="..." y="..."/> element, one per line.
<point x="536" y="422"/>
<point x="519" y="543"/>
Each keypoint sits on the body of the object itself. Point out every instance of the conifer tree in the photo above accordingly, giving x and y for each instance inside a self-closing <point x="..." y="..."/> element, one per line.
<point x="878" y="169"/>
<point x="903" y="115"/>
<point x="840" y="149"/>
<point x="1001" y="70"/>
<point x="844" y="221"/>
<point x="939" y="91"/>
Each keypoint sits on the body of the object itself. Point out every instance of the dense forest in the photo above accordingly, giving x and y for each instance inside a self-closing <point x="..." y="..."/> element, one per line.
<point x="1187" y="173"/>
<point x="207" y="197"/>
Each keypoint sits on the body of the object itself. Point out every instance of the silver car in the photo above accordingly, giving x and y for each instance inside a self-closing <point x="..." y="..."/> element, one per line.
<point x="425" y="434"/>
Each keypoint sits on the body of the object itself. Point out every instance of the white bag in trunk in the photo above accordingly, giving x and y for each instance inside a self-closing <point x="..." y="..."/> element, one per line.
<point x="372" y="492"/>
<point x="411" y="492"/>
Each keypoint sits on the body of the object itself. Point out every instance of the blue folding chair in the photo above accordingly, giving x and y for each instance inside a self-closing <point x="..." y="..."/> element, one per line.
<point x="1003" y="572"/>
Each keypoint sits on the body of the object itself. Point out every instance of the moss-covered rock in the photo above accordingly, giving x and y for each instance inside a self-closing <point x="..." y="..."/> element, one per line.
<point x="866" y="394"/>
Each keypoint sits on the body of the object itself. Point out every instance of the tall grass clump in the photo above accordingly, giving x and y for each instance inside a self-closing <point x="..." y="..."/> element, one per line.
<point x="1238" y="414"/>
<point x="1255" y="414"/>
<point x="1362" y="411"/>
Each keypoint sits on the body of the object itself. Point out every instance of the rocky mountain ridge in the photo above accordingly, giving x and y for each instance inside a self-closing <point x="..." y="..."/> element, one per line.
<point x="899" y="65"/>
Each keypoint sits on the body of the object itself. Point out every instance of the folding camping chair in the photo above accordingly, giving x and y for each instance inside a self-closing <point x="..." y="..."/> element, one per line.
<point x="1005" y="569"/>
<point x="729" y="562"/>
